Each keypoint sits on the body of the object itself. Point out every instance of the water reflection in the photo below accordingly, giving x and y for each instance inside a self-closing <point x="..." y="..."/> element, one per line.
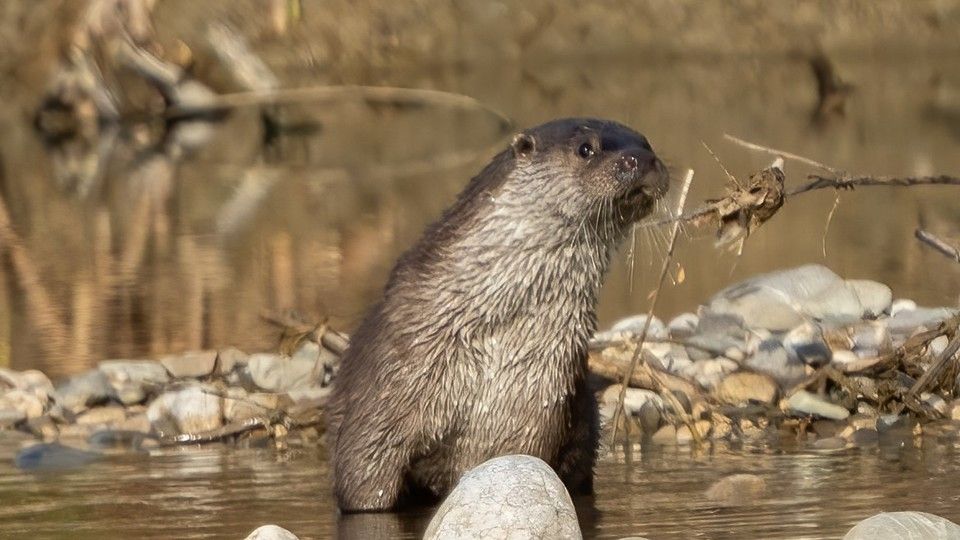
<point x="170" y="242"/>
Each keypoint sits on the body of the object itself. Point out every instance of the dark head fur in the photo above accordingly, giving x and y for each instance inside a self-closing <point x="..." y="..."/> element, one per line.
<point x="478" y="347"/>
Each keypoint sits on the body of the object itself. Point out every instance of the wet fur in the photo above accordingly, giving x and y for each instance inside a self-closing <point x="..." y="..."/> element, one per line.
<point x="478" y="347"/>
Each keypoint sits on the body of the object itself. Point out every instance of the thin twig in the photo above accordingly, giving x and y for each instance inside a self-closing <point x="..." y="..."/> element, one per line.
<point x="938" y="244"/>
<point x="846" y="182"/>
<point x="936" y="368"/>
<point x="782" y="153"/>
<point x="653" y="304"/>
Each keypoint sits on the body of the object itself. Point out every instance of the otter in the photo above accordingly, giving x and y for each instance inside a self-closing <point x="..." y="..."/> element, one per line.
<point x="478" y="346"/>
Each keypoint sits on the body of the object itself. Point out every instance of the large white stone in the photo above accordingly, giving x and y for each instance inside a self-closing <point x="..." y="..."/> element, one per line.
<point x="904" y="526"/>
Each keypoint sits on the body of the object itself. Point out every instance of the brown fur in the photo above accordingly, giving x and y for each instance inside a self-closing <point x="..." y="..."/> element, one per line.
<point x="478" y="347"/>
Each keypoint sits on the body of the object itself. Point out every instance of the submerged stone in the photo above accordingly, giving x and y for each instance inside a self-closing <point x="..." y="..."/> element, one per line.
<point x="904" y="526"/>
<point x="513" y="496"/>
<point x="271" y="532"/>
<point x="53" y="456"/>
<point x="737" y="489"/>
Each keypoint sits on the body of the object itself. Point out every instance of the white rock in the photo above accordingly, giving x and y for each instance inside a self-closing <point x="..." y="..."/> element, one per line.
<point x="190" y="410"/>
<point x="904" y="526"/>
<point x="507" y="497"/>
<point x="875" y="297"/>
<point x="271" y="532"/>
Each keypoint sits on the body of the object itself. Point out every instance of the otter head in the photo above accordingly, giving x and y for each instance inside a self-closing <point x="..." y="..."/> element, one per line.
<point x="583" y="168"/>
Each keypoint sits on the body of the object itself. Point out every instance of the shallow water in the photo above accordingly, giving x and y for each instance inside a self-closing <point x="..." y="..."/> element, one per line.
<point x="658" y="492"/>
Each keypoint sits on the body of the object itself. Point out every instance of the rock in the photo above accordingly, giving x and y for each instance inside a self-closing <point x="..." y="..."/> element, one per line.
<point x="737" y="489"/>
<point x="53" y="456"/>
<point x="870" y="335"/>
<point x="683" y="326"/>
<point x="708" y="346"/>
<point x="772" y="359"/>
<point x="10" y="417"/>
<point x="841" y="358"/>
<point x="130" y="392"/>
<point x="935" y="402"/>
<point x="954" y="410"/>
<point x="685" y="436"/>
<point x="271" y="532"/>
<point x="86" y="390"/>
<point x="807" y="344"/>
<point x="190" y="365"/>
<point x="875" y="297"/>
<point x="102" y="416"/>
<point x="830" y="443"/>
<point x="937" y="345"/>
<point x="115" y="439"/>
<point x="900" y="305"/>
<point x="895" y="422"/>
<point x="827" y="428"/>
<point x="779" y="301"/>
<point x="311" y="393"/>
<point x="743" y="387"/>
<point x="510" y="496"/>
<point x="30" y="380"/>
<point x="649" y="417"/>
<point x="805" y="403"/>
<point x="141" y="371"/>
<point x="665" y="435"/>
<point x="709" y="373"/>
<point x="190" y="410"/>
<point x="240" y="406"/>
<point x="903" y="526"/>
<point x="905" y="323"/>
<point x="668" y="357"/>
<point x="864" y="437"/>
<point x="228" y="359"/>
<point x="26" y="402"/>
<point x="276" y="373"/>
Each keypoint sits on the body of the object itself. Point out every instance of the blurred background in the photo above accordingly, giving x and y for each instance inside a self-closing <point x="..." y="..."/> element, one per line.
<point x="140" y="218"/>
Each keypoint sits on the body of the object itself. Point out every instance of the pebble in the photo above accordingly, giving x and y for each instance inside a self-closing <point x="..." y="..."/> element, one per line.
<point x="937" y="345"/>
<point x="506" y="497"/>
<point x="875" y="297"/>
<point x="86" y="390"/>
<point x="190" y="365"/>
<point x="271" y="532"/>
<point x="900" y="305"/>
<point x="53" y="456"/>
<point x="903" y="526"/>
<point x="277" y="373"/>
<point x="26" y="402"/>
<point x="807" y="344"/>
<point x="665" y="435"/>
<point x="102" y="416"/>
<point x="683" y="325"/>
<point x="772" y="359"/>
<point x="632" y="327"/>
<point x="737" y="489"/>
<point x="140" y="371"/>
<point x="744" y="387"/>
<point x="190" y="410"/>
<point x="228" y="360"/>
<point x="935" y="402"/>
<point x="709" y="373"/>
<point x="805" y="403"/>
<point x="830" y="443"/>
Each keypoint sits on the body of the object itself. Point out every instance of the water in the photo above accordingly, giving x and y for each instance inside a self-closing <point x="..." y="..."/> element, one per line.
<point x="159" y="253"/>
<point x="658" y="492"/>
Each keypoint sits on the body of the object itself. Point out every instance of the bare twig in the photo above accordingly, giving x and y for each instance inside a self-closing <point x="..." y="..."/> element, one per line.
<point x="653" y="304"/>
<point x="847" y="182"/>
<point x="938" y="244"/>
<point x="782" y="153"/>
<point x="937" y="367"/>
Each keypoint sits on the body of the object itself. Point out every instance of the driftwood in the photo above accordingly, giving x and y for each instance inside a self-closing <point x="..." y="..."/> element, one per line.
<point x="938" y="244"/>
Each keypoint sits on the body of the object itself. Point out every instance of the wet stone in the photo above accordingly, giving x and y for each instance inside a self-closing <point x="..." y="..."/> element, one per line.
<point x="683" y="325"/>
<point x="53" y="456"/>
<point x="903" y="525"/>
<point x="100" y="416"/>
<point x="892" y="422"/>
<point x="277" y="373"/>
<point x="114" y="439"/>
<point x="900" y="305"/>
<point x="805" y="403"/>
<point x="30" y="380"/>
<point x="509" y="496"/>
<point x="830" y="443"/>
<point x="873" y="336"/>
<point x="649" y="417"/>
<point x="907" y="322"/>
<point x="737" y="489"/>
<point x="827" y="428"/>
<point x="745" y="387"/>
<point x="140" y="371"/>
<point x="864" y="437"/>
<point x="772" y="359"/>
<point x="935" y="403"/>
<point x="228" y="359"/>
<point x="709" y="373"/>
<point x="27" y="403"/>
<point x="190" y="365"/>
<point x="665" y="435"/>
<point x="271" y="532"/>
<point x="632" y="328"/>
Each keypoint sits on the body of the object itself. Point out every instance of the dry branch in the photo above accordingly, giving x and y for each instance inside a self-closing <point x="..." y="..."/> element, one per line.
<point x="938" y="244"/>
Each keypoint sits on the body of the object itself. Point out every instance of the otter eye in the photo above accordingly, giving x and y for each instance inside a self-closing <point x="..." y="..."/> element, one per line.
<point x="586" y="150"/>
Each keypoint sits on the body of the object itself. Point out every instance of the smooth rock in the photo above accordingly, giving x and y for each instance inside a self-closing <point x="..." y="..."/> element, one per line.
<point x="271" y="532"/>
<point x="117" y="440"/>
<point x="895" y="422"/>
<point x="30" y="380"/>
<point x="190" y="365"/>
<point x="904" y="526"/>
<point x="872" y="335"/>
<point x="864" y="437"/>
<point x="102" y="416"/>
<point x="737" y="489"/>
<point x="743" y="387"/>
<point x="277" y="373"/>
<point x="935" y="402"/>
<point x="53" y="456"/>
<point x="709" y="373"/>
<point x="309" y="393"/>
<point x="507" y="497"/>
<point x="683" y="325"/>
<point x="807" y="344"/>
<point x="875" y="297"/>
<point x="905" y="323"/>
<point x="937" y="345"/>
<point x="649" y="417"/>
<point x="715" y="323"/>
<point x="900" y="305"/>
<point x="129" y="392"/>
<point x="190" y="410"/>
<point x="779" y="301"/>
<point x="228" y="359"/>
<point x="240" y="406"/>
<point x="668" y="357"/>
<point x="805" y="403"/>
<point x="830" y="443"/>
<point x="9" y="417"/>
<point x="841" y="358"/>
<point x="772" y="359"/>
<point x="633" y="399"/>
<point x="141" y="371"/>
<point x="27" y="402"/>
<point x="685" y="436"/>
<point x="85" y="390"/>
<point x="665" y="435"/>
<point x="954" y="410"/>
<point x="632" y="327"/>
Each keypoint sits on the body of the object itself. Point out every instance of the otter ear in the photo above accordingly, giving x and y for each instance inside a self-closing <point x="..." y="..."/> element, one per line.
<point x="523" y="144"/>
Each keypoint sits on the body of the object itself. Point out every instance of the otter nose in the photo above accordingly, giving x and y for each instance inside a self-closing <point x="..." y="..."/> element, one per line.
<point x="630" y="163"/>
